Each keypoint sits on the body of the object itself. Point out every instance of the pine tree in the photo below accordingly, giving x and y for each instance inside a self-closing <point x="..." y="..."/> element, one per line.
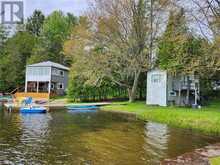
<point x="35" y="22"/>
<point x="179" y="51"/>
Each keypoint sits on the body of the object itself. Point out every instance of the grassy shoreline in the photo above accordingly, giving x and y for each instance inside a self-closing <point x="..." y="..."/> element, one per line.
<point x="206" y="120"/>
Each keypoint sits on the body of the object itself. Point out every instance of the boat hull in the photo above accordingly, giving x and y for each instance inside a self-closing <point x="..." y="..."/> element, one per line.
<point x="33" y="110"/>
<point x="82" y="108"/>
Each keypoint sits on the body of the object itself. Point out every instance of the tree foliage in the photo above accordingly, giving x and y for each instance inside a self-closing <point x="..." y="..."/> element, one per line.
<point x="179" y="51"/>
<point x="12" y="66"/>
<point x="41" y="40"/>
<point x="114" y="46"/>
<point x="35" y="22"/>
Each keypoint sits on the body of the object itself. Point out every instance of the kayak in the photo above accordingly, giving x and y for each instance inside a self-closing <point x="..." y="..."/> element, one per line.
<point x="83" y="107"/>
<point x="33" y="110"/>
<point x="82" y="111"/>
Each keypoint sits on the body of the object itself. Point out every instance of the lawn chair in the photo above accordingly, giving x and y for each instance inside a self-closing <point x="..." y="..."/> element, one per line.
<point x="28" y="101"/>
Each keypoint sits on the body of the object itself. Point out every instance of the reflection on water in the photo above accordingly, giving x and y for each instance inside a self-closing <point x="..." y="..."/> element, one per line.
<point x="98" y="138"/>
<point x="35" y="127"/>
<point x="28" y="133"/>
<point x="35" y="131"/>
<point x="156" y="140"/>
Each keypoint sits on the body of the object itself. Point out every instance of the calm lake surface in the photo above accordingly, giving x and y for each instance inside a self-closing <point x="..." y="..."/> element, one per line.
<point x="101" y="138"/>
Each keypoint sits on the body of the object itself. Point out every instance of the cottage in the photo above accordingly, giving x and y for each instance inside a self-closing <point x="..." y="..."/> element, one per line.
<point x="46" y="77"/>
<point x="164" y="89"/>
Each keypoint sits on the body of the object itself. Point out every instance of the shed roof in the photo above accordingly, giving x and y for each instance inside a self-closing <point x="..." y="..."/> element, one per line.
<point x="49" y="64"/>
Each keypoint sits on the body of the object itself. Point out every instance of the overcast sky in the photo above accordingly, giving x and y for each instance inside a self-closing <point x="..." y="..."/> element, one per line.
<point x="47" y="6"/>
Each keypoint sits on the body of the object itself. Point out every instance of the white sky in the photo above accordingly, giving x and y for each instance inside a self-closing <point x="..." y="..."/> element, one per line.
<point x="76" y="7"/>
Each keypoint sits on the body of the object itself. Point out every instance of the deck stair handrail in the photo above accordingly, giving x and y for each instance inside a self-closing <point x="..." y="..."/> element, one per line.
<point x="184" y="85"/>
<point x="15" y="90"/>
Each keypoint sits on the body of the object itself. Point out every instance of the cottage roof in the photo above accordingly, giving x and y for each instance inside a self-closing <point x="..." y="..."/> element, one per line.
<point x="50" y="64"/>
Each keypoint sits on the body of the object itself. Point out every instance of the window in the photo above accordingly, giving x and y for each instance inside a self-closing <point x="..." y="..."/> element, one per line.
<point x="62" y="73"/>
<point x="60" y="86"/>
<point x="156" y="78"/>
<point x="57" y="72"/>
<point x="52" y="86"/>
<point x="172" y="93"/>
<point x="38" y="71"/>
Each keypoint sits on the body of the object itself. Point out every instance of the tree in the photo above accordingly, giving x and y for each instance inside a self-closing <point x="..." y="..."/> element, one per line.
<point x="35" y="22"/>
<point x="56" y="29"/>
<point x="172" y="41"/>
<point x="39" y="52"/>
<point x="3" y="40"/>
<point x="209" y="16"/>
<point x="72" y="20"/>
<point x="3" y="36"/>
<point x="17" y="51"/>
<point x="115" y="45"/>
<point x="180" y="53"/>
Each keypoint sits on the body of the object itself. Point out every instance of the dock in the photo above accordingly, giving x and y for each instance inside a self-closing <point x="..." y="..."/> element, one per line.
<point x="55" y="104"/>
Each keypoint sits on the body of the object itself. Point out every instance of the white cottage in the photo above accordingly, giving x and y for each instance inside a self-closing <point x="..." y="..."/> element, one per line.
<point x="164" y="89"/>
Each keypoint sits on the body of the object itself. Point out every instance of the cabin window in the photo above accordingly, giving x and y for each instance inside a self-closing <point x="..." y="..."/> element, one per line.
<point x="156" y="78"/>
<point x="52" y="86"/>
<point x="172" y="93"/>
<point x="38" y="71"/>
<point x="62" y="73"/>
<point x="57" y="72"/>
<point x="60" y="86"/>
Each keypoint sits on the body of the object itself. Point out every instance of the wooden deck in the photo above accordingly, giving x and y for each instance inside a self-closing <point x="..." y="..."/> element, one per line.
<point x="33" y="95"/>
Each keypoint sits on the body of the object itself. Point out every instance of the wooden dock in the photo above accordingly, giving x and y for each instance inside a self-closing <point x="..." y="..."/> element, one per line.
<point x="56" y="104"/>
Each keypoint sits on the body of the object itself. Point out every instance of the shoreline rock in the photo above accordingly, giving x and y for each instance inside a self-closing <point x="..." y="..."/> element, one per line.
<point x="198" y="157"/>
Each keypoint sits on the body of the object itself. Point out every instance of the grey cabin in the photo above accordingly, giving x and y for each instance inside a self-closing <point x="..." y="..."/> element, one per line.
<point x="164" y="89"/>
<point x="46" y="77"/>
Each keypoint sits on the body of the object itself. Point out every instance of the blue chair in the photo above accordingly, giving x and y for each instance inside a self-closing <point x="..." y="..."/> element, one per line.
<point x="28" y="101"/>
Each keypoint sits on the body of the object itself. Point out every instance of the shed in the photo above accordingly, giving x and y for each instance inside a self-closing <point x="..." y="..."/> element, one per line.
<point x="165" y="89"/>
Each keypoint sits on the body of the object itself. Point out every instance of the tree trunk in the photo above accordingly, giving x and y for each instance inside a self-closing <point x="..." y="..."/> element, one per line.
<point x="133" y="91"/>
<point x="141" y="93"/>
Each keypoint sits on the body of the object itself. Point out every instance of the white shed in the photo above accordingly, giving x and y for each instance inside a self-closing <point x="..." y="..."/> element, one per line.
<point x="164" y="89"/>
<point x="157" y="88"/>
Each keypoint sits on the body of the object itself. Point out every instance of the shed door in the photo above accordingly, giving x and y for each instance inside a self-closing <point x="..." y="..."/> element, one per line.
<point x="157" y="88"/>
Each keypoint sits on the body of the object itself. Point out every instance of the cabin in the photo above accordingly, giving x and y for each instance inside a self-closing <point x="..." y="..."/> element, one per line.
<point x="46" y="77"/>
<point x="163" y="89"/>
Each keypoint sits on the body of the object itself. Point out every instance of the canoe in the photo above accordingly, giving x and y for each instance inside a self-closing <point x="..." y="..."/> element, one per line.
<point x="40" y="102"/>
<point x="33" y="110"/>
<point x="83" y="107"/>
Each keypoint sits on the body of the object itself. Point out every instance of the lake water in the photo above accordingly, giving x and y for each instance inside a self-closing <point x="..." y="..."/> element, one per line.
<point x="101" y="138"/>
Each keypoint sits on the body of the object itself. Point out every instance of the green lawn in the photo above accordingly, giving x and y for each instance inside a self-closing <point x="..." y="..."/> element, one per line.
<point x="205" y="120"/>
<point x="215" y="161"/>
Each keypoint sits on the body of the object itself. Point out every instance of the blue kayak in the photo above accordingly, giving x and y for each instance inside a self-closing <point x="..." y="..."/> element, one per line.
<point x="82" y="111"/>
<point x="33" y="110"/>
<point x="83" y="107"/>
